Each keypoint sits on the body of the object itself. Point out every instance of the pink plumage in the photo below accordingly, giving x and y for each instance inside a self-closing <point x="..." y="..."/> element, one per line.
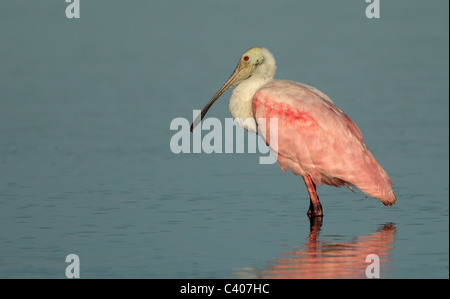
<point x="316" y="138"/>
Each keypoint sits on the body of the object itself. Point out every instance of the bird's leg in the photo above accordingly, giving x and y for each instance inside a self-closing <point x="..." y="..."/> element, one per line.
<point x="315" y="208"/>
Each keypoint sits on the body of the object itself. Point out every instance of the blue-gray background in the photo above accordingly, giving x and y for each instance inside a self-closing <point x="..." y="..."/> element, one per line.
<point x="85" y="110"/>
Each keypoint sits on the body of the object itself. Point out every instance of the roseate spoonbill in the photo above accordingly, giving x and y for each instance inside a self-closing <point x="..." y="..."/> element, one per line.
<point x="316" y="140"/>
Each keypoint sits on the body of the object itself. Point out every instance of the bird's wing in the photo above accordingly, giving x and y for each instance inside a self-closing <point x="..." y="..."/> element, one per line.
<point x="315" y="137"/>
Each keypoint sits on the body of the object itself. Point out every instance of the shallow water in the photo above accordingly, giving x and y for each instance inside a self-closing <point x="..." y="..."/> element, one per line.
<point x="85" y="159"/>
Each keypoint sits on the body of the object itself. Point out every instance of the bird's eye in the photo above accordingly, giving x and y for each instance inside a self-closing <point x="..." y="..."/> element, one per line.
<point x="246" y="58"/>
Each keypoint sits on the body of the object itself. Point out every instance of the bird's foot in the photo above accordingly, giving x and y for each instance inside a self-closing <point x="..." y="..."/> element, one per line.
<point x="315" y="210"/>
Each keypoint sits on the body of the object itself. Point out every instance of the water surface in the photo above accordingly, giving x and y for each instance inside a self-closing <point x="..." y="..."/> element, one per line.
<point x="86" y="166"/>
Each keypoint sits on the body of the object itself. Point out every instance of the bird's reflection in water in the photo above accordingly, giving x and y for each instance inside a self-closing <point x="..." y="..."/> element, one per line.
<point x="318" y="259"/>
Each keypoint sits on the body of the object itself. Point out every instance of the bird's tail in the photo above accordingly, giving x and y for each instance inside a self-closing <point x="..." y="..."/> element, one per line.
<point x="375" y="182"/>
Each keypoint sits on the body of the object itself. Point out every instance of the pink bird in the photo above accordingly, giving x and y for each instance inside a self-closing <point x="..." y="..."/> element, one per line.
<point x="315" y="139"/>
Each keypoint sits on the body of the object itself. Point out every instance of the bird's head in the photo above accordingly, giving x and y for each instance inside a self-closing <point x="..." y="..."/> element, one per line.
<point x="247" y="65"/>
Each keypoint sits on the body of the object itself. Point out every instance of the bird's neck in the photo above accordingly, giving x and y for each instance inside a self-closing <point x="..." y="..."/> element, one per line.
<point x="241" y="103"/>
<point x="241" y="100"/>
